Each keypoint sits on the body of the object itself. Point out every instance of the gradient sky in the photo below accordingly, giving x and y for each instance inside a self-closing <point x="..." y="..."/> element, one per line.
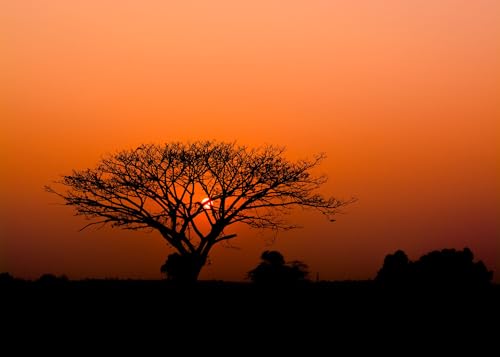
<point x="403" y="96"/>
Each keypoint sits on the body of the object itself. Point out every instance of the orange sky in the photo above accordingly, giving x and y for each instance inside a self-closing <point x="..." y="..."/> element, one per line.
<point x="403" y="96"/>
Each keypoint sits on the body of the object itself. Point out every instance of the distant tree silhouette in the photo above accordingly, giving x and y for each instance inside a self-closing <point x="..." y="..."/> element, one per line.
<point x="179" y="267"/>
<point x="450" y="267"/>
<point x="273" y="258"/>
<point x="6" y="278"/>
<point x="51" y="279"/>
<point x="192" y="193"/>
<point x="274" y="271"/>
<point x="396" y="269"/>
<point x="447" y="267"/>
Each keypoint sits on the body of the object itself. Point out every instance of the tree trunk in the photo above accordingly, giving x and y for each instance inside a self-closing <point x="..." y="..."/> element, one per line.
<point x="183" y="268"/>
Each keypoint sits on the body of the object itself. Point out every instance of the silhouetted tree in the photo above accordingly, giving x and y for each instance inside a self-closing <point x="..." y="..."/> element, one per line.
<point x="6" y="278"/>
<point x="299" y="270"/>
<point x="395" y="269"/>
<point x="273" y="258"/>
<point x="51" y="279"/>
<point x="179" y="267"/>
<point x="447" y="267"/>
<point x="192" y="193"/>
<point x="450" y="267"/>
<point x="273" y="271"/>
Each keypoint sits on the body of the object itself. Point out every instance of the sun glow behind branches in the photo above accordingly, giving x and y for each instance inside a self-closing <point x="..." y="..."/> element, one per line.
<point x="207" y="203"/>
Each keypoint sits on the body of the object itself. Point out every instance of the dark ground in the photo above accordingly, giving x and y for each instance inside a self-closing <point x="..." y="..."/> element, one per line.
<point x="214" y="312"/>
<point x="216" y="297"/>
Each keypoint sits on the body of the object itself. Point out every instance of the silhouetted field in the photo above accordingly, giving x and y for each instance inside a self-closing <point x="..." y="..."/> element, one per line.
<point x="314" y="297"/>
<point x="313" y="315"/>
<point x="442" y="291"/>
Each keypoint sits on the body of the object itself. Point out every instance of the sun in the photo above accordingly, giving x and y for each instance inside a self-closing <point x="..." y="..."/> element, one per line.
<point x="207" y="203"/>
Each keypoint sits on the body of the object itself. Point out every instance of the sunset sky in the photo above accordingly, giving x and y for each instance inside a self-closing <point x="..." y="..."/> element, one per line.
<point x="402" y="96"/>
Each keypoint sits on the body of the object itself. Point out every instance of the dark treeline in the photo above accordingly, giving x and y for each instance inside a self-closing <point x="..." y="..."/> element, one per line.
<point x="444" y="268"/>
<point x="442" y="291"/>
<point x="276" y="305"/>
<point x="437" y="269"/>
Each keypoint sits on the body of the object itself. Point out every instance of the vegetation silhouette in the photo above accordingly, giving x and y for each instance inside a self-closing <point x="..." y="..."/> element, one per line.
<point x="273" y="271"/>
<point x="6" y="278"/>
<point x="179" y="268"/>
<point x="287" y="293"/>
<point x="51" y="279"/>
<point x="396" y="269"/>
<point x="191" y="194"/>
<point x="212" y="308"/>
<point x="444" y="268"/>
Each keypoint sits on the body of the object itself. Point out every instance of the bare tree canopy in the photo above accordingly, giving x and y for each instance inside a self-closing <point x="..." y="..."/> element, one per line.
<point x="192" y="193"/>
